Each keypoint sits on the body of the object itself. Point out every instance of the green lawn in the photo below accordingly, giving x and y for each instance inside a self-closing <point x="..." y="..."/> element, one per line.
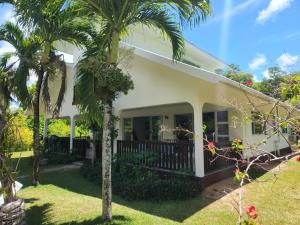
<point x="66" y="198"/>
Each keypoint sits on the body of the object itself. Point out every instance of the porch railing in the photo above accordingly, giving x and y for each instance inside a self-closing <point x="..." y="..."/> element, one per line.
<point x="61" y="145"/>
<point x="168" y="156"/>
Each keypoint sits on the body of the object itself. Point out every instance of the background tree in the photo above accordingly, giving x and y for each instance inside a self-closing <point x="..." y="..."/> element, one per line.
<point x="272" y="86"/>
<point x="234" y="73"/>
<point x="49" y="21"/>
<point x="114" y="17"/>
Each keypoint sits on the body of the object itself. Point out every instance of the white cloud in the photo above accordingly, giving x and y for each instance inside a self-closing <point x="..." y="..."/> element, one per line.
<point x="255" y="78"/>
<point x="287" y="60"/>
<point x="274" y="7"/>
<point x="258" y="61"/>
<point x="9" y="16"/>
<point x="266" y="74"/>
<point x="6" y="47"/>
<point x="234" y="11"/>
<point x="32" y="79"/>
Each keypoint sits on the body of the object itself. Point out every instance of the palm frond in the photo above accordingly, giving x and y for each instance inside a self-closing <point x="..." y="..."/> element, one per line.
<point x="62" y="90"/>
<point x="157" y="17"/>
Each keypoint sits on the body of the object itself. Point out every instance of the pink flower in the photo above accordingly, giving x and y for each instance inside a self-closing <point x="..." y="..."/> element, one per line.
<point x="211" y="145"/>
<point x="251" y="211"/>
<point x="298" y="158"/>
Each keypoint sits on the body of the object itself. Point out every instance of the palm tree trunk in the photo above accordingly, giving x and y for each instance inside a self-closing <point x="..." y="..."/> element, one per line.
<point x="3" y="122"/>
<point x="36" y="129"/>
<point x="106" y="165"/>
<point x="106" y="140"/>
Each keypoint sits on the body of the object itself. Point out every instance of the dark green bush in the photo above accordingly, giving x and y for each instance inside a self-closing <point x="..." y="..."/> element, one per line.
<point x="62" y="158"/>
<point x="91" y="172"/>
<point x="133" y="182"/>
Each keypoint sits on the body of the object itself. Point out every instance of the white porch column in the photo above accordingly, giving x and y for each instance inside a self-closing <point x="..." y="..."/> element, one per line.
<point x="199" y="150"/>
<point x="72" y="132"/>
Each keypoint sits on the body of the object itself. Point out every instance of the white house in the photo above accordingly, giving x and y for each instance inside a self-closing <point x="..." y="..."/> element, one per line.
<point x="177" y="94"/>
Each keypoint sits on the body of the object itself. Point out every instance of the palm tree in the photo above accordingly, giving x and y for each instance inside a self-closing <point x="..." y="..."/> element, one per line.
<point x="6" y="80"/>
<point x="50" y="22"/>
<point x="114" y="18"/>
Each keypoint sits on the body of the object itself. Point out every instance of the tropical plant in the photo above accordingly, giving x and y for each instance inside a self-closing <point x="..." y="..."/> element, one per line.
<point x="18" y="136"/>
<point x="49" y="22"/>
<point x="113" y="18"/>
<point x="14" y="212"/>
<point x="6" y="80"/>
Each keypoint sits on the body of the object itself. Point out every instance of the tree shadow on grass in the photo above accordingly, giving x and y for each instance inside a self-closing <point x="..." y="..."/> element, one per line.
<point x="37" y="214"/>
<point x="174" y="210"/>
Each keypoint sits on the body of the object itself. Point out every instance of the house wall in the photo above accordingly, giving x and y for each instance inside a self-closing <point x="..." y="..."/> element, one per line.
<point x="158" y="85"/>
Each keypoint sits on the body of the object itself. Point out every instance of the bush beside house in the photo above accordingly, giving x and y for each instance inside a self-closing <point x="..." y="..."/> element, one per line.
<point x="133" y="182"/>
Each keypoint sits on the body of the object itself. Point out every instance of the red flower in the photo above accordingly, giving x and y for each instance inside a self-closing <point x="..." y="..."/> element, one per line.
<point x="211" y="146"/>
<point x="251" y="211"/>
<point x="298" y="158"/>
<point x="249" y="83"/>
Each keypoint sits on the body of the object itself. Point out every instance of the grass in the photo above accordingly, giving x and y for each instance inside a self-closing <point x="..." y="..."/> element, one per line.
<point x="66" y="198"/>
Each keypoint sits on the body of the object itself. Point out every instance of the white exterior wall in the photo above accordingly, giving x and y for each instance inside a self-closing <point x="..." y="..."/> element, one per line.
<point x="159" y="83"/>
<point x="156" y="85"/>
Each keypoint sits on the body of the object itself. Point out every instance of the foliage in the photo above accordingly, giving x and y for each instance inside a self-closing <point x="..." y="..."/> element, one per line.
<point x="29" y="120"/>
<point x="130" y="181"/>
<point x="290" y="89"/>
<point x="56" y="158"/>
<point x="18" y="136"/>
<point x="272" y="85"/>
<point x="234" y="73"/>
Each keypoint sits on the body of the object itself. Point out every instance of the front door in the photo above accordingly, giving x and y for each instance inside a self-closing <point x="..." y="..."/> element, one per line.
<point x="141" y="129"/>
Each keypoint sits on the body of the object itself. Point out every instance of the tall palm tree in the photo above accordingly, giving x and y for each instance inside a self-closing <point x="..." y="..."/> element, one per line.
<point x="114" y="17"/>
<point x="6" y="86"/>
<point x="51" y="22"/>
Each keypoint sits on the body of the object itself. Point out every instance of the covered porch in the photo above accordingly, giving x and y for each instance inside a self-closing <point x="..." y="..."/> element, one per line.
<point x="168" y="131"/>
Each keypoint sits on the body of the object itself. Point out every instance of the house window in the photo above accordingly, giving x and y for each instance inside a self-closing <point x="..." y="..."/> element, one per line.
<point x="257" y="125"/>
<point x="222" y="127"/>
<point x="142" y="128"/>
<point x="128" y="129"/>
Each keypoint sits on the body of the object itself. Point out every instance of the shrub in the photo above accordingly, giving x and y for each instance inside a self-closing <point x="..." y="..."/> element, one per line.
<point x="18" y="136"/>
<point x="133" y="182"/>
<point x="62" y="158"/>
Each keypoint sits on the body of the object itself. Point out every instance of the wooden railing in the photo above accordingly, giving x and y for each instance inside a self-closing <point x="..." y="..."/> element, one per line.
<point x="168" y="156"/>
<point x="217" y="162"/>
<point x="54" y="144"/>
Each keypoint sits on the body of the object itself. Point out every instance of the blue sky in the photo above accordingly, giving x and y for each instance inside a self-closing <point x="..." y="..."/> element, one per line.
<point x="254" y="34"/>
